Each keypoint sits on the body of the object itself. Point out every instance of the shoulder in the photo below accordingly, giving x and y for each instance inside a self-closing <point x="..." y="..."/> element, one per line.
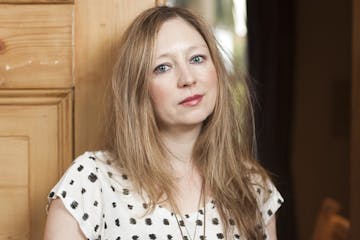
<point x="81" y="189"/>
<point x="94" y="160"/>
<point x="60" y="224"/>
<point x="268" y="197"/>
<point x="94" y="166"/>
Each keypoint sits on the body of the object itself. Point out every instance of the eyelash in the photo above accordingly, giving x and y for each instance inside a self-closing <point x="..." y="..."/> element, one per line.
<point x="158" y="71"/>
<point x="201" y="56"/>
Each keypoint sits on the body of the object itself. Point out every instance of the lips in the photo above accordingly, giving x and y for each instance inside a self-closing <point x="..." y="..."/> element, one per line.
<point x="192" y="100"/>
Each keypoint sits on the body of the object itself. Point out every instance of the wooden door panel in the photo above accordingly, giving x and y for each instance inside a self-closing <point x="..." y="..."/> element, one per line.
<point x="35" y="1"/>
<point x="36" y="147"/>
<point x="14" y="219"/>
<point x="36" y="46"/>
<point x="16" y="173"/>
<point x="14" y="202"/>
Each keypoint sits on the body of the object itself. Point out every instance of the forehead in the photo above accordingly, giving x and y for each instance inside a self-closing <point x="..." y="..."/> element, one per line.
<point x="177" y="34"/>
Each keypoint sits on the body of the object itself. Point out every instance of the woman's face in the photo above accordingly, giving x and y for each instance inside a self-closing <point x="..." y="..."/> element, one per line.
<point x="183" y="82"/>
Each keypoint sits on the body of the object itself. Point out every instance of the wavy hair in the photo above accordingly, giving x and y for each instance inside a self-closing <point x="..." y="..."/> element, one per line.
<point x="224" y="150"/>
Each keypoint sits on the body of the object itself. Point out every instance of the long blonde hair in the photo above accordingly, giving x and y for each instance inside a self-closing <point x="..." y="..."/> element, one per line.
<point x="224" y="150"/>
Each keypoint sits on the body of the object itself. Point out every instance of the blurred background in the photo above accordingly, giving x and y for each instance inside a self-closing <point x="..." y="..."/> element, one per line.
<point x="298" y="55"/>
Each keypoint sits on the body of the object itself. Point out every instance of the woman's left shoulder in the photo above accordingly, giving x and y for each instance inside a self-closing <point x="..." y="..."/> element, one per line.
<point x="268" y="197"/>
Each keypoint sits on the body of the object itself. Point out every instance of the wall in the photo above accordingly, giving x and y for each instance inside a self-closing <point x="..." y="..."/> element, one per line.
<point x="320" y="146"/>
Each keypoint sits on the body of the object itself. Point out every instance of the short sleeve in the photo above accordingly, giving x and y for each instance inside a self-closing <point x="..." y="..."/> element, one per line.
<point x="80" y="191"/>
<point x="269" y="202"/>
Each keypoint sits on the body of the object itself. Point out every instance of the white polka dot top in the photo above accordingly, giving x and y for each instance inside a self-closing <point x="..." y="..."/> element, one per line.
<point x="101" y="200"/>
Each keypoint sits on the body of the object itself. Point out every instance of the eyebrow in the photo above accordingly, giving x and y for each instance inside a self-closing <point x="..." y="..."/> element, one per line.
<point x="187" y="50"/>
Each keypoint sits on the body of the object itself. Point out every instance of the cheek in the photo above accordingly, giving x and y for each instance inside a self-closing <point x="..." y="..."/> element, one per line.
<point x="158" y="94"/>
<point x="213" y="86"/>
<point x="213" y="80"/>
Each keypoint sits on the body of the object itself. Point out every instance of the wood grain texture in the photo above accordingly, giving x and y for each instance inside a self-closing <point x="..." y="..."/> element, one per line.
<point x="35" y="1"/>
<point x="99" y="26"/>
<point x="355" y="127"/>
<point x="36" y="48"/>
<point x="14" y="204"/>
<point x="36" y="147"/>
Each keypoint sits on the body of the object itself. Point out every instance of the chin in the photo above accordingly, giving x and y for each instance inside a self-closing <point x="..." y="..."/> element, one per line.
<point x="197" y="118"/>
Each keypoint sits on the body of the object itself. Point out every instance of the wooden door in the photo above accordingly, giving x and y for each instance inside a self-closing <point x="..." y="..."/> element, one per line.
<point x="55" y="61"/>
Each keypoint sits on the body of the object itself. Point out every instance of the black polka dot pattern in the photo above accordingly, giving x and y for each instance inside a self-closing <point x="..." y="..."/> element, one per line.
<point x="85" y="216"/>
<point x="92" y="177"/>
<point x="102" y="200"/>
<point x="80" y="168"/>
<point x="132" y="221"/>
<point x="166" y="221"/>
<point x="220" y="236"/>
<point x="117" y="222"/>
<point x="148" y="221"/>
<point x="215" y="221"/>
<point x="74" y="204"/>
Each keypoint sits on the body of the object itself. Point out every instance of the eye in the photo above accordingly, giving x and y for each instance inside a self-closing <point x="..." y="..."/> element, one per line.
<point x="161" y="68"/>
<point x="197" y="59"/>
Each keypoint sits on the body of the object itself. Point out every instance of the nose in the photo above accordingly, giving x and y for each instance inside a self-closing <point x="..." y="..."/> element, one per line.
<point x="186" y="77"/>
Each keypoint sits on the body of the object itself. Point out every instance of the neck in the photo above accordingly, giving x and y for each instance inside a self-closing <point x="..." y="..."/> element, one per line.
<point x="180" y="143"/>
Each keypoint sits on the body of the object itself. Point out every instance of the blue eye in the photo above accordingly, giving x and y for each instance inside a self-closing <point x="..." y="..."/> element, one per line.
<point x="161" y="68"/>
<point x="197" y="59"/>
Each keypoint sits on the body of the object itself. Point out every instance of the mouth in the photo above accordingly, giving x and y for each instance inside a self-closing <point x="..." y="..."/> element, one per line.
<point x="192" y="100"/>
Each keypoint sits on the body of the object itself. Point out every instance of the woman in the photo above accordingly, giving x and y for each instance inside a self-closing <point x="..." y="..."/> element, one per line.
<point x="181" y="161"/>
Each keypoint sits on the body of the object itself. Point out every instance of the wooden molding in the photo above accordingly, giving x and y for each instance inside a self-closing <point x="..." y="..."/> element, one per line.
<point x="63" y="100"/>
<point x="35" y="132"/>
